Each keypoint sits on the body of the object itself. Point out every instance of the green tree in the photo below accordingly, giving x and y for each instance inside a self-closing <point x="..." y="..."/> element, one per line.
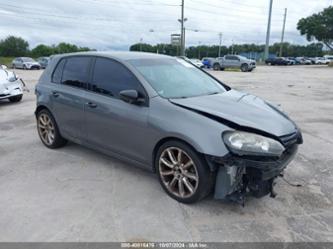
<point x="63" y="48"/>
<point x="144" y="47"/>
<point x="14" y="46"/>
<point x="42" y="50"/>
<point x="318" y="26"/>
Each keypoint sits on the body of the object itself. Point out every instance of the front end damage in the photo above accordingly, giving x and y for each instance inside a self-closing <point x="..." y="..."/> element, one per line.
<point x="10" y="84"/>
<point x="241" y="176"/>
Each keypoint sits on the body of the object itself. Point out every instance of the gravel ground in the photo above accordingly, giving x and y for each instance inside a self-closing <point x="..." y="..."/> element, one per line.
<point x="76" y="194"/>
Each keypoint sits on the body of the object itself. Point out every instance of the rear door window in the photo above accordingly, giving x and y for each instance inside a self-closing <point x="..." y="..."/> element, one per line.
<point x="76" y="71"/>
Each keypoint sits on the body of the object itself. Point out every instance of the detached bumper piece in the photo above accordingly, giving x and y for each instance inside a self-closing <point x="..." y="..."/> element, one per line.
<point x="239" y="176"/>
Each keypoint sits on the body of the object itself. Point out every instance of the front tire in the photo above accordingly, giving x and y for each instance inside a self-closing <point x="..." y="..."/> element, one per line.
<point x="244" y="68"/>
<point x="183" y="173"/>
<point x="48" y="130"/>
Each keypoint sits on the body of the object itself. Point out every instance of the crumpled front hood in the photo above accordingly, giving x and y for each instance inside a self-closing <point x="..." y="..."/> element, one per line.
<point x="243" y="109"/>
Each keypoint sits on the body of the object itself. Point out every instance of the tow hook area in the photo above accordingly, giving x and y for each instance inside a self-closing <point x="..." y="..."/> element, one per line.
<point x="236" y="183"/>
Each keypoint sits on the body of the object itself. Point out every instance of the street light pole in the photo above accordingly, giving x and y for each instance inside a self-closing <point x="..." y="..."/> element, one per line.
<point x="268" y="29"/>
<point x="283" y="29"/>
<point x="182" y="36"/>
<point x="220" y="35"/>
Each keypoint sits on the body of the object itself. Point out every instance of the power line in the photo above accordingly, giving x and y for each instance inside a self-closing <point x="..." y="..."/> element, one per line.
<point x="229" y="2"/>
<point x="216" y="13"/>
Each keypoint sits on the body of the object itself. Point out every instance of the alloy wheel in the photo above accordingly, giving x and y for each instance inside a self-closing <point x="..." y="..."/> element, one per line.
<point x="46" y="129"/>
<point x="178" y="172"/>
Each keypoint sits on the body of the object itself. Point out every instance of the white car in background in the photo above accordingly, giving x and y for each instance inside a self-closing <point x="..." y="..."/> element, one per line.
<point x="322" y="60"/>
<point x="197" y="62"/>
<point x="11" y="87"/>
<point x="26" y="63"/>
<point x="328" y="57"/>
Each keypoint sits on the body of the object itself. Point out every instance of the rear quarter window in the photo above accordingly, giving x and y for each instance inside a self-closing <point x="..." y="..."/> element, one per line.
<point x="57" y="73"/>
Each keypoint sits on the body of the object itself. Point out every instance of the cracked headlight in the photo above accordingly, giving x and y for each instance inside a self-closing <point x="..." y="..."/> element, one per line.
<point x="245" y="143"/>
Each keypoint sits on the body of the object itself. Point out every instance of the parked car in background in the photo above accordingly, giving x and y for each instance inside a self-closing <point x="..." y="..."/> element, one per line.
<point x="11" y="87"/>
<point x="322" y="61"/>
<point x="197" y="62"/>
<point x="25" y="63"/>
<point x="328" y="57"/>
<point x="277" y="61"/>
<point x="208" y="62"/>
<point x="292" y="60"/>
<point x="234" y="61"/>
<point x="43" y="61"/>
<point x="303" y="61"/>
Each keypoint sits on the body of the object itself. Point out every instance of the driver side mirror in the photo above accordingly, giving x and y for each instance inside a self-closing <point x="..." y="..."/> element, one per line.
<point x="4" y="67"/>
<point x="131" y="96"/>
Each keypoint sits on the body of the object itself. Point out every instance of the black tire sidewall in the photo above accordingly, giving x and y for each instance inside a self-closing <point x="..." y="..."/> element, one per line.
<point x="59" y="141"/>
<point x="205" y="176"/>
<point x="14" y="99"/>
<point x="216" y="67"/>
<point x="244" y="68"/>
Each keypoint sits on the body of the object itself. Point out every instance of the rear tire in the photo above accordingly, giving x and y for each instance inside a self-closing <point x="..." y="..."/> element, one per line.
<point x="48" y="130"/>
<point x="185" y="178"/>
<point x="14" y="99"/>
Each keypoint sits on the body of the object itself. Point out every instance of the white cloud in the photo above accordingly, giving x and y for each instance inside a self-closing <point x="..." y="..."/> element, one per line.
<point x="116" y="24"/>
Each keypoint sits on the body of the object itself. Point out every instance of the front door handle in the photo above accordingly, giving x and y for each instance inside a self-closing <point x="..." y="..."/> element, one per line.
<point x="91" y="105"/>
<point x="55" y="94"/>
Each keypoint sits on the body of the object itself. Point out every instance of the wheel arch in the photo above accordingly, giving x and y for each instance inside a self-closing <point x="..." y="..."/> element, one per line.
<point x="167" y="139"/>
<point x="41" y="107"/>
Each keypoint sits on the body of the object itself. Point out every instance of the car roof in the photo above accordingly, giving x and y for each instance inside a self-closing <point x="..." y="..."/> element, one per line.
<point x="124" y="56"/>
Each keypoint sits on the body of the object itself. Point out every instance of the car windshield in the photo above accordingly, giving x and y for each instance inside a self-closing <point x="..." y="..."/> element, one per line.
<point x="27" y="59"/>
<point x="176" y="78"/>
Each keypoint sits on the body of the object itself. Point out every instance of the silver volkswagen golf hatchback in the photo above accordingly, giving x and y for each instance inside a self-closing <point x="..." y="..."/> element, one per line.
<point x="168" y="116"/>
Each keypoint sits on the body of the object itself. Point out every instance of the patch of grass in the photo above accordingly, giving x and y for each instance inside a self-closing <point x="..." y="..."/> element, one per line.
<point x="6" y="61"/>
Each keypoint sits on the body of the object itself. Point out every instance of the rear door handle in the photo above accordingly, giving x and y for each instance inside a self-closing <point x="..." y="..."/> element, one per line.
<point x="91" y="105"/>
<point x="55" y="94"/>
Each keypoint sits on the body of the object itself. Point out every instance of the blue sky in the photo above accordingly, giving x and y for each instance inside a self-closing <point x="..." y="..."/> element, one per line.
<point x="116" y="24"/>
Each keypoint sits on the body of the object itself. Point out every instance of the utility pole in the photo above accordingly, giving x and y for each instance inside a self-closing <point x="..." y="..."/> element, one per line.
<point x="199" y="55"/>
<point x="220" y="35"/>
<point x="283" y="28"/>
<point x="268" y="28"/>
<point x="182" y="36"/>
<point x="141" y="44"/>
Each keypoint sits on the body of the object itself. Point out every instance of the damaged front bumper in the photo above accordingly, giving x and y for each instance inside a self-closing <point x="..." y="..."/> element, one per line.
<point x="11" y="89"/>
<point x="238" y="176"/>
